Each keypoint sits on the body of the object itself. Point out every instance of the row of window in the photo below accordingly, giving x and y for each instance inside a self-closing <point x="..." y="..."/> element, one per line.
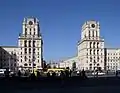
<point x="94" y="52"/>
<point x="93" y="33"/>
<point x="7" y="60"/>
<point x="29" y="44"/>
<point x="30" y="50"/>
<point x="6" y="64"/>
<point x="29" y="60"/>
<point x="94" y="45"/>
<point x="29" y="64"/>
<point x="94" y="61"/>
<point x="29" y="30"/>
<point x="113" y="53"/>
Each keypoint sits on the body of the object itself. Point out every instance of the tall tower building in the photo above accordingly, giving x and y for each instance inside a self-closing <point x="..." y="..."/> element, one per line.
<point x="91" y="47"/>
<point x="30" y="45"/>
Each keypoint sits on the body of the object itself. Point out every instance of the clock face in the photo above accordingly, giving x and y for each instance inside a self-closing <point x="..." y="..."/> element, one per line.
<point x="93" y="25"/>
<point x="30" y="22"/>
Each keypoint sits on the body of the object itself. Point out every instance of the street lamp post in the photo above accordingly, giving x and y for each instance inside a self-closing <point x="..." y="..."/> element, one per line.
<point x="94" y="68"/>
<point x="32" y="54"/>
<point x="9" y="62"/>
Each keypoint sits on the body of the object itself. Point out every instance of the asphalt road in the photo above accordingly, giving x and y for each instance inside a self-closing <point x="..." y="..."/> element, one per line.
<point x="71" y="85"/>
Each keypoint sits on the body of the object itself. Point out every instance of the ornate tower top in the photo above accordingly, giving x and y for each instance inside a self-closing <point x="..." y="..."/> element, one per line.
<point x="31" y="27"/>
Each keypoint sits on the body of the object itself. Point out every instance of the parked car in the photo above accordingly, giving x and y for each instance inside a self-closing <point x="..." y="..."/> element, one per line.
<point x="99" y="73"/>
<point x="2" y="72"/>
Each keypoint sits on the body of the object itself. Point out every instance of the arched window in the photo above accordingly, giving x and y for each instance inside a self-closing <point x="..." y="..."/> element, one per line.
<point x="97" y="44"/>
<point x="93" y="33"/>
<point x="33" y="43"/>
<point x="30" y="32"/>
<point x="25" y="58"/>
<point x="94" y="45"/>
<point x="90" y="44"/>
<point x="94" y="52"/>
<point x="29" y="43"/>
<point x="90" y="51"/>
<point x="89" y="34"/>
<point x="25" y="50"/>
<point x="25" y="64"/>
<point x="25" y="31"/>
<point x="96" y="34"/>
<point x="25" y="43"/>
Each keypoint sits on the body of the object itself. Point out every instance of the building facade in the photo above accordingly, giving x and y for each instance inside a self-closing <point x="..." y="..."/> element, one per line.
<point x="29" y="52"/>
<point x="92" y="54"/>
<point x="9" y="57"/>
<point x="30" y="45"/>
<point x="91" y="47"/>
<point x="112" y="58"/>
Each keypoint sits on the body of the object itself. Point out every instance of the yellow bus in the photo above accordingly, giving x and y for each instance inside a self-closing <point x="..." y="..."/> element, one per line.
<point x="55" y="69"/>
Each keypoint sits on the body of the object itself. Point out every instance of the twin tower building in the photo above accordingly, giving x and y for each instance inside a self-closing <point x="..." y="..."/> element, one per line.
<point x="29" y="53"/>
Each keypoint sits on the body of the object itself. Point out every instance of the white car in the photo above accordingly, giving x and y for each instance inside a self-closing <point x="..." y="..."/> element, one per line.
<point x="2" y="72"/>
<point x="99" y="73"/>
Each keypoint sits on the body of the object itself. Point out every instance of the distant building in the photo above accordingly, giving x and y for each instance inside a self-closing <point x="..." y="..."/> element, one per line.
<point x="9" y="57"/>
<point x="112" y="58"/>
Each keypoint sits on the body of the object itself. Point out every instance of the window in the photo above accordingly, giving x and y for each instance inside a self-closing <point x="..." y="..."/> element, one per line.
<point x="93" y="33"/>
<point x="34" y="29"/>
<point x="34" y="64"/>
<point x="90" y="51"/>
<point x="94" y="52"/>
<point x="90" y="44"/>
<point x="15" y="64"/>
<point x="86" y="61"/>
<point x="94" y="45"/>
<point x="98" y="59"/>
<point x="90" y="59"/>
<point x="97" y="64"/>
<point x="25" y="64"/>
<point x="90" y="64"/>
<point x="96" y="34"/>
<point x="38" y="61"/>
<point x="21" y="60"/>
<point x="33" y="43"/>
<point x="25" y="31"/>
<point x="25" y="43"/>
<point x="33" y="50"/>
<point x="97" y="44"/>
<point x="29" y="50"/>
<point x="29" y="64"/>
<point x="38" y="53"/>
<point x="34" y="32"/>
<point x="25" y="50"/>
<point x="97" y="51"/>
<point x="30" y="29"/>
<point x="30" y="32"/>
<point x="94" y="62"/>
<point x="29" y="43"/>
<point x="25" y="58"/>
<point x="89" y="34"/>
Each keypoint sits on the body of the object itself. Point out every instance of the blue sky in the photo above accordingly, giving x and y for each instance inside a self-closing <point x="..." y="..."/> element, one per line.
<point x="60" y="22"/>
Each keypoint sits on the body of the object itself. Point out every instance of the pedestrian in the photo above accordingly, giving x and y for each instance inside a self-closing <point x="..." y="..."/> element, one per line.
<point x="19" y="73"/>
